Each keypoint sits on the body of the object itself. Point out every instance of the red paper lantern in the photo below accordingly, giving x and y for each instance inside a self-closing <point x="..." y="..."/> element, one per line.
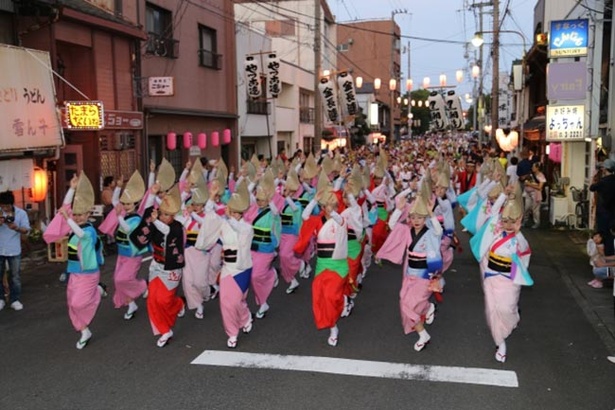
<point x="39" y="185"/>
<point x="215" y="138"/>
<point x="171" y="141"/>
<point x="187" y="139"/>
<point x="202" y="140"/>
<point x="226" y="136"/>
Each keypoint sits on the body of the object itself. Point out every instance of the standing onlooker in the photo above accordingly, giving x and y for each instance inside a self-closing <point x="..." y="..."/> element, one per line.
<point x="533" y="191"/>
<point x="511" y="171"/>
<point x="605" y="206"/>
<point x="13" y="223"/>
<point x="106" y="196"/>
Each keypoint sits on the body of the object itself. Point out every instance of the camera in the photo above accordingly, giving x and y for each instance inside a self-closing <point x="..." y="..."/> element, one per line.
<point x="9" y="219"/>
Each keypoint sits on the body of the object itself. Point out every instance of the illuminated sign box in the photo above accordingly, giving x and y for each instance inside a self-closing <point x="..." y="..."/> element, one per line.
<point x="565" y="123"/>
<point x="84" y="115"/>
<point x="568" y="38"/>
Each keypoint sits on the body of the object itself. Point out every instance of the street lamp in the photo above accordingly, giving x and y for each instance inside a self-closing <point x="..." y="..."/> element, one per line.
<point x="478" y="41"/>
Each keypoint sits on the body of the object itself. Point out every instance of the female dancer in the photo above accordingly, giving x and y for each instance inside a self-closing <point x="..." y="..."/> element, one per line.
<point x="331" y="261"/>
<point x="236" y="237"/>
<point x="84" y="258"/>
<point x="504" y="256"/>
<point x="415" y="244"/>
<point x="127" y="286"/>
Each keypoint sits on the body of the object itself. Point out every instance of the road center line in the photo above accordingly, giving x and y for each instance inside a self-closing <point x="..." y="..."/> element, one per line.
<point x="403" y="371"/>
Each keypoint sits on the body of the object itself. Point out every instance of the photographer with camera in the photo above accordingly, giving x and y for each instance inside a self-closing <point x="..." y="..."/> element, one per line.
<point x="13" y="223"/>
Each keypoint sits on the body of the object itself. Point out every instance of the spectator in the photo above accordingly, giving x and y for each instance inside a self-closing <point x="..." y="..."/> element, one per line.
<point x="511" y="171"/>
<point x="107" y="194"/>
<point x="533" y="191"/>
<point x="604" y="186"/>
<point x="599" y="262"/>
<point x="13" y="223"/>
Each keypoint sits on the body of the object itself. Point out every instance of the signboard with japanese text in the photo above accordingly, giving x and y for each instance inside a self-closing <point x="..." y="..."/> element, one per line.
<point x="84" y="115"/>
<point x="252" y="76"/>
<point x="29" y="119"/>
<point x="160" y="86"/>
<point x="455" y="112"/>
<point x="115" y="120"/>
<point x="273" y="75"/>
<point x="568" y="38"/>
<point x="565" y="123"/>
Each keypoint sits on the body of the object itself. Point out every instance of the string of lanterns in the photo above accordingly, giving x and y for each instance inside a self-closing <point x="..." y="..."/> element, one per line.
<point x="201" y="139"/>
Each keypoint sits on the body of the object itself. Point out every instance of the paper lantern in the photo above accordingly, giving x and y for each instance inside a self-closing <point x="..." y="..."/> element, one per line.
<point x="202" y="140"/>
<point x="187" y="139"/>
<point x="358" y="82"/>
<point x="171" y="141"/>
<point x="39" y="185"/>
<point x="226" y="136"/>
<point x="215" y="138"/>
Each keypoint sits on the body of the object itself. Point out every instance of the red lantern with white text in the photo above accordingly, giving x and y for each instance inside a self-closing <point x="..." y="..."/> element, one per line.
<point x="171" y="141"/>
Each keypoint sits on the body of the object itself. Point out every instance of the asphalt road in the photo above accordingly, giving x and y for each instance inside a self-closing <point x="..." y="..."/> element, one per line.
<point x="556" y="354"/>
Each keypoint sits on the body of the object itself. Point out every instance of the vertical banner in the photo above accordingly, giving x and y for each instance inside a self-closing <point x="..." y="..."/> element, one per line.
<point x="273" y="75"/>
<point x="253" y="81"/>
<point x="437" y="111"/>
<point x="327" y="90"/>
<point x="455" y="113"/>
<point x="348" y="97"/>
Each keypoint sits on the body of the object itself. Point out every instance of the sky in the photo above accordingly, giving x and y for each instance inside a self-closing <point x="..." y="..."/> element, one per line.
<point x="447" y="27"/>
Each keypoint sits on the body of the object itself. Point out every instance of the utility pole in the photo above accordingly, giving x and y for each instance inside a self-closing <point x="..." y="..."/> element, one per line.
<point x="495" y="76"/>
<point x="394" y="73"/>
<point x="481" y="97"/>
<point x="317" y="70"/>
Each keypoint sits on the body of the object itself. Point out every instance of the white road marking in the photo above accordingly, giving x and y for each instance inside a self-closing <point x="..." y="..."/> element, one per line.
<point x="403" y="371"/>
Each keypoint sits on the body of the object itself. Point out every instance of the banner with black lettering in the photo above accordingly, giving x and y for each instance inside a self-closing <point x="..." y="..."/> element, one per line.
<point x="437" y="111"/>
<point x="348" y="99"/>
<point x="273" y="75"/>
<point x="329" y="97"/>
<point x="252" y="76"/>
<point x="455" y="112"/>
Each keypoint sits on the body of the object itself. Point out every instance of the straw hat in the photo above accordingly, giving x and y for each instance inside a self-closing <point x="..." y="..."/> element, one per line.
<point x="324" y="188"/>
<point x="84" y="195"/>
<point x="338" y="164"/>
<point x="310" y="169"/>
<point x="166" y="175"/>
<point x="171" y="203"/>
<point x="355" y="181"/>
<point x="200" y="194"/>
<point x="222" y="171"/>
<point x="134" y="189"/>
<point x="266" y="186"/>
<point x="240" y="200"/>
<point x="292" y="181"/>
<point x="419" y="207"/>
<point x="379" y="170"/>
<point x="327" y="165"/>
<point x="254" y="160"/>
<point x="250" y="170"/>
<point x="443" y="181"/>
<point x="513" y="208"/>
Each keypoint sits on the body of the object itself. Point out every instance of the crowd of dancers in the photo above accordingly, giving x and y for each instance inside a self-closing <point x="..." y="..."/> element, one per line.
<point x="217" y="233"/>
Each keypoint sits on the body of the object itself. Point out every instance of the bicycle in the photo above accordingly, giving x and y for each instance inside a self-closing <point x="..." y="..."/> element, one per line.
<point x="581" y="209"/>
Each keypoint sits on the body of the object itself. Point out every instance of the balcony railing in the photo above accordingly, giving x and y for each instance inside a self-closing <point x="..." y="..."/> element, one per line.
<point x="210" y="60"/>
<point x="258" y="107"/>
<point x="161" y="46"/>
<point x="306" y="115"/>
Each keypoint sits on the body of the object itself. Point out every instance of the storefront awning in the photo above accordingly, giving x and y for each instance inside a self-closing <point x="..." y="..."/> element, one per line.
<point x="536" y="123"/>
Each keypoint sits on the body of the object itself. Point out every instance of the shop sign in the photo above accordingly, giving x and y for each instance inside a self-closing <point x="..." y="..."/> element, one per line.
<point x="115" y="120"/>
<point x="29" y="119"/>
<point x="568" y="38"/>
<point x="567" y="81"/>
<point x="565" y="123"/>
<point x="160" y="86"/>
<point x="84" y="115"/>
